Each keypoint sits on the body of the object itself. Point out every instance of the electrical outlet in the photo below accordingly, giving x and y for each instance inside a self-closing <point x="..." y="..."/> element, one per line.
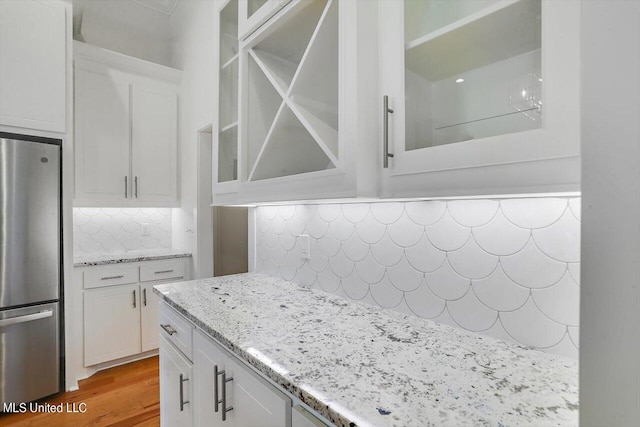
<point x="305" y="243"/>
<point x="145" y="229"/>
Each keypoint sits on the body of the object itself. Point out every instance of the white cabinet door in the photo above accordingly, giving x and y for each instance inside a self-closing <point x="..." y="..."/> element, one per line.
<point x="206" y="358"/>
<point x="300" y="417"/>
<point x="33" y="56"/>
<point x="149" y="318"/>
<point x="253" y="13"/>
<point x="111" y="323"/>
<point x="175" y="387"/>
<point x="154" y="118"/>
<point x="102" y="133"/>
<point x="255" y="403"/>
<point x="484" y="96"/>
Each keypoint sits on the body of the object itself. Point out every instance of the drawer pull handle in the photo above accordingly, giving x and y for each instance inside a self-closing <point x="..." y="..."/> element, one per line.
<point x="26" y="318"/>
<point x="134" y="299"/>
<point x="112" y="277"/>
<point x="225" y="380"/>
<point x="163" y="271"/>
<point x="182" y="402"/>
<point x="216" y="402"/>
<point x="144" y="297"/>
<point x="385" y="131"/>
<point x="169" y="329"/>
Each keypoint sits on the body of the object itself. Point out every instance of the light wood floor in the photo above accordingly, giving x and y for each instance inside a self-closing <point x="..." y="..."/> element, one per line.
<point x="127" y="395"/>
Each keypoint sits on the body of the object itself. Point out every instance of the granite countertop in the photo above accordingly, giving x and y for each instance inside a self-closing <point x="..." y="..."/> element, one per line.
<point x="364" y="365"/>
<point x="100" y="258"/>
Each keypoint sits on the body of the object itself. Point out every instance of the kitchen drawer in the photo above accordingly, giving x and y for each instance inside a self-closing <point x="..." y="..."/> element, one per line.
<point x="177" y="330"/>
<point x="152" y="271"/>
<point x="110" y="276"/>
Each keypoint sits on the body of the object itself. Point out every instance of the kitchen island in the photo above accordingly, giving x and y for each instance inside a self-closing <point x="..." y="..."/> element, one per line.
<point x="356" y="364"/>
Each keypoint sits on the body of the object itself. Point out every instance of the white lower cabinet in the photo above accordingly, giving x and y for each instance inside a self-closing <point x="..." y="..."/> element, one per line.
<point x="219" y="388"/>
<point x="121" y="310"/>
<point x="108" y="316"/>
<point x="176" y="372"/>
<point x="300" y="417"/>
<point x="244" y="399"/>
<point x="149" y="317"/>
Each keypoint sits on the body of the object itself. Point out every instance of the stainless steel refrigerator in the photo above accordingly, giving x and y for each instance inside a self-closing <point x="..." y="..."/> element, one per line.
<point x="30" y="268"/>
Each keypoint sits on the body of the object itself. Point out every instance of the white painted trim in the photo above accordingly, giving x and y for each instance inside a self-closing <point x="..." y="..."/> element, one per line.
<point x="251" y="233"/>
<point x="203" y="259"/>
<point x="125" y="63"/>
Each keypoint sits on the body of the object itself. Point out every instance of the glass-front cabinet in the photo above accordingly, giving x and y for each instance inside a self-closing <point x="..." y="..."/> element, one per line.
<point x="253" y="13"/>
<point x="481" y="95"/>
<point x="225" y="160"/>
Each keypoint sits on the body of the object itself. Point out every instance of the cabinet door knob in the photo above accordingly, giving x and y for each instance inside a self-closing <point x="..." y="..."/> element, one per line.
<point x="135" y="181"/>
<point x="385" y="131"/>
<point x="126" y="187"/>
<point x="134" y="299"/>
<point x="144" y="297"/>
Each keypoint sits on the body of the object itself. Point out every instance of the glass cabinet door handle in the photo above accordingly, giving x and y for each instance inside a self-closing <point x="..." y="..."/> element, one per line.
<point x="385" y="131"/>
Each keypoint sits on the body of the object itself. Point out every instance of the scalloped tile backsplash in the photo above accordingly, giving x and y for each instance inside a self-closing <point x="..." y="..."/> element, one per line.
<point x="105" y="230"/>
<point x="508" y="268"/>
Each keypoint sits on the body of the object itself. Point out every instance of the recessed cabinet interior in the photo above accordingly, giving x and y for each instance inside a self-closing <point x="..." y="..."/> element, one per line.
<point x="33" y="64"/>
<point x="480" y="84"/>
<point x="126" y="133"/>
<point x="292" y="82"/>
<point x="299" y="87"/>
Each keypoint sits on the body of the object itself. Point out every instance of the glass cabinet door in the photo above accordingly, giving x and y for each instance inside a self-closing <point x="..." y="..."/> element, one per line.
<point x="254" y="13"/>
<point x="478" y="83"/>
<point x="472" y="70"/>
<point x="227" y="130"/>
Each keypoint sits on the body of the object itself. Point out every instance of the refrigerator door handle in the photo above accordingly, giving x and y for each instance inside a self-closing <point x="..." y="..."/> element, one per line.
<point x="27" y="318"/>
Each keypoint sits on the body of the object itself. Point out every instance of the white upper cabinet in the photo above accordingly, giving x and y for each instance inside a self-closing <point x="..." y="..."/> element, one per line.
<point x="126" y="120"/>
<point x="154" y="137"/>
<point x="102" y="133"/>
<point x="305" y="90"/>
<point x="33" y="64"/>
<point x="253" y="13"/>
<point x="483" y="96"/>
<point x="336" y="99"/>
<point x="225" y="156"/>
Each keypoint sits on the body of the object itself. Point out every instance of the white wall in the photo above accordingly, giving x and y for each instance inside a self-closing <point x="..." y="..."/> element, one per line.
<point x="507" y="268"/>
<point x="123" y="26"/>
<point x="610" y="307"/>
<point x="192" y="50"/>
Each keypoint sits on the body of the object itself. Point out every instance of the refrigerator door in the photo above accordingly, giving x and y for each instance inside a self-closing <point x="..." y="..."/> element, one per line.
<point x="29" y="222"/>
<point x="29" y="355"/>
